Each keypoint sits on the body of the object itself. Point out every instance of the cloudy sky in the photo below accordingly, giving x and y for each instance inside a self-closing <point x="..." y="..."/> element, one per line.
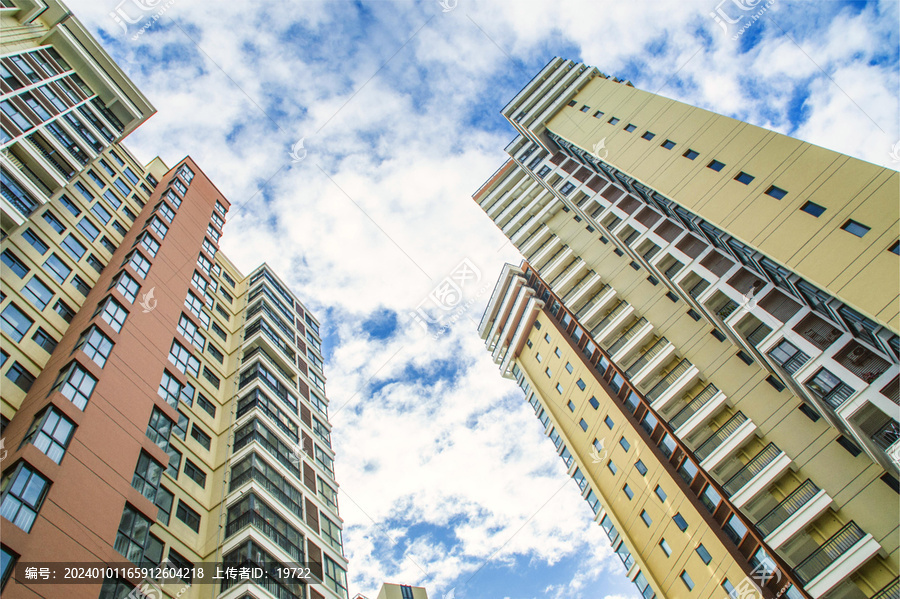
<point x="447" y="480"/>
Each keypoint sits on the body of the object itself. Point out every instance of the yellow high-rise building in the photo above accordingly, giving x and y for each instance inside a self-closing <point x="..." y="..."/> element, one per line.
<point x="706" y="323"/>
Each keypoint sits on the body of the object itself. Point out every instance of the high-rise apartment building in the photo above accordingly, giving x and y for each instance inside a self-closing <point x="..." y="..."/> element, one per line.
<point x="706" y="326"/>
<point x="159" y="407"/>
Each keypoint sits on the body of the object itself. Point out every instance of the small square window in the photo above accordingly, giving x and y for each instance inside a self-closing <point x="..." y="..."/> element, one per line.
<point x="618" y="252"/>
<point x="568" y="364"/>
<point x="744" y="357"/>
<point x="687" y="580"/>
<point x="557" y="352"/>
<point x="634" y="265"/>
<point x="717" y="334"/>
<point x="691" y="154"/>
<point x="594" y="403"/>
<point x="629" y="127"/>
<point x="548" y="372"/>
<point x="585" y="108"/>
<point x="744" y="178"/>
<point x="668" y="144"/>
<point x="547" y="337"/>
<point x="665" y="547"/>
<point x="538" y="357"/>
<point x="895" y="248"/>
<point x="628" y="492"/>
<point x="612" y="467"/>
<point x="813" y="208"/>
<point x="809" y="412"/>
<point x="653" y="280"/>
<point x="716" y="165"/>
<point x="573" y="103"/>
<point x="598" y="114"/>
<point x="704" y="554"/>
<point x="639" y="465"/>
<point x="672" y="297"/>
<point x="693" y="314"/>
<point x="648" y="136"/>
<point x="625" y="444"/>
<point x="608" y="422"/>
<point x="776" y="192"/>
<point x="529" y="344"/>
<point x="580" y="384"/>
<point x="680" y="522"/>
<point x="583" y="425"/>
<point x="775" y="382"/>
<point x="571" y="406"/>
<point x="613" y="121"/>
<point x="559" y="388"/>
<point x="851" y="226"/>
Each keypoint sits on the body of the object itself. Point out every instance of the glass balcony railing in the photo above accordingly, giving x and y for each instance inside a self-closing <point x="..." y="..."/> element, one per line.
<point x="693" y="406"/>
<point x="830" y="551"/>
<point x="719" y="437"/>
<point x="788" y="507"/>
<point x="752" y="468"/>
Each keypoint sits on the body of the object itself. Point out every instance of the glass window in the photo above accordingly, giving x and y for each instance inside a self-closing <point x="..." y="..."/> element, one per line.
<point x="146" y="476"/>
<point x="134" y="541"/>
<point x="96" y="345"/>
<point x="36" y="292"/>
<point x="36" y="242"/>
<point x="127" y="286"/>
<point x="114" y="313"/>
<point x="24" y="490"/>
<point x="704" y="554"/>
<point x="680" y="522"/>
<point x="89" y="229"/>
<point x="639" y="465"/>
<point x="14" y="263"/>
<point x="15" y="322"/>
<point x="44" y="340"/>
<point x="188" y="516"/>
<point x="646" y="518"/>
<point x="57" y="269"/>
<point x="660" y="493"/>
<point x="20" y="375"/>
<point x="159" y="429"/>
<point x="76" y="384"/>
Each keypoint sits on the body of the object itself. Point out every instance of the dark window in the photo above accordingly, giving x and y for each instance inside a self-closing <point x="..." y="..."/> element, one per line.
<point x="639" y="465"/>
<point x="691" y="154"/>
<point x="809" y="412"/>
<point x="744" y="357"/>
<point x="668" y="144"/>
<point x="13" y="261"/>
<point x="44" y="340"/>
<point x="776" y="192"/>
<point x="744" y="178"/>
<point x="648" y="136"/>
<point x="201" y="437"/>
<point x="20" y="375"/>
<point x="693" y="314"/>
<point x="629" y="127"/>
<point x="718" y="334"/>
<point x="51" y="433"/>
<point x="194" y="472"/>
<point x="188" y="516"/>
<point x="812" y="208"/>
<point x="672" y="296"/>
<point x="716" y="165"/>
<point x="895" y="247"/>
<point x="851" y="226"/>
<point x="613" y="121"/>
<point x="36" y="242"/>
<point x="775" y="382"/>
<point x="680" y="522"/>
<point x="24" y="490"/>
<point x="849" y="445"/>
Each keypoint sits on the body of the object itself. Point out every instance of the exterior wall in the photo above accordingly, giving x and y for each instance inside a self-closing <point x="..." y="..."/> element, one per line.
<point x="639" y="244"/>
<point x="394" y="591"/>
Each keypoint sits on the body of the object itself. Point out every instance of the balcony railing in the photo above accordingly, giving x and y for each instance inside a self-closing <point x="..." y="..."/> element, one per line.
<point x="717" y="438"/>
<point x="581" y="284"/>
<point x="660" y="387"/>
<point x="751" y="469"/>
<point x="861" y="361"/>
<point x="592" y="302"/>
<point x="693" y="406"/>
<point x="627" y="336"/>
<point x="648" y="355"/>
<point x="267" y="582"/>
<point x="887" y="435"/>
<point x="788" y="506"/>
<point x="66" y="171"/>
<point x="260" y="523"/>
<point x="891" y="591"/>
<point x="791" y="362"/>
<point x="610" y="316"/>
<point x="277" y="491"/>
<point x="758" y="334"/>
<point x="725" y="311"/>
<point x="568" y="269"/>
<point x="829" y="552"/>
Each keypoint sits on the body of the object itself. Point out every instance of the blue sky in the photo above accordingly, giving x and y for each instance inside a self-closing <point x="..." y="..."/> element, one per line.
<point x="446" y="478"/>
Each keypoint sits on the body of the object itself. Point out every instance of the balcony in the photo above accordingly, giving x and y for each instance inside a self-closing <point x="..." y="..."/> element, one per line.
<point x="890" y="591"/>
<point x="725" y="441"/>
<point x="673" y="382"/>
<point x="786" y="355"/>
<point x="828" y="388"/>
<point x="612" y="319"/>
<point x="838" y="557"/>
<point x="650" y="360"/>
<point x="698" y="411"/>
<point x="795" y="512"/>
<point x="757" y="474"/>
<point x="630" y="337"/>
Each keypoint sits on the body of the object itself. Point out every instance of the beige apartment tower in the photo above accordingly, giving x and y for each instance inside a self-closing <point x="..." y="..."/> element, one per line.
<point x="706" y="325"/>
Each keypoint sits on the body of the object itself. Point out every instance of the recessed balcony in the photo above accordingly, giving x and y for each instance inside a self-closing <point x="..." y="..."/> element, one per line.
<point x="757" y="475"/>
<point x="836" y="559"/>
<point x="723" y="443"/>
<point x="795" y="512"/>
